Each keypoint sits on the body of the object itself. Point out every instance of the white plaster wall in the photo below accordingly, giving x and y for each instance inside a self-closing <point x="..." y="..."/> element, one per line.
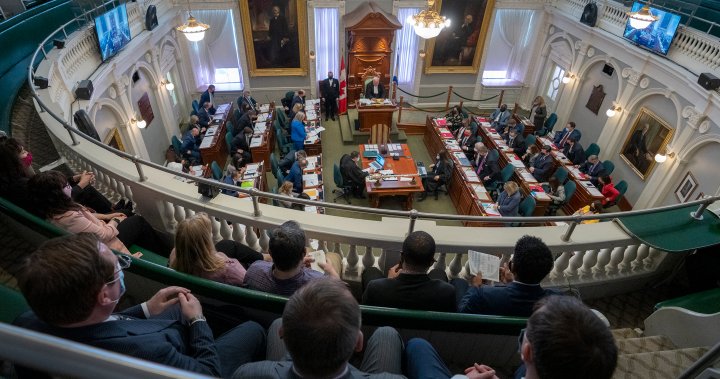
<point x="704" y="167"/>
<point x="154" y="135"/>
<point x="590" y="124"/>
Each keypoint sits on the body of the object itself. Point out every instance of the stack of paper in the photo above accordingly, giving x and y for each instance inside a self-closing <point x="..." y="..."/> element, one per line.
<point x="313" y="193"/>
<point x="262" y="117"/>
<point x="494" y="136"/>
<point x="576" y="172"/>
<point x="318" y="257"/>
<point x="441" y="121"/>
<point x="527" y="176"/>
<point x="223" y="108"/>
<point x="561" y="157"/>
<point x="310" y="115"/>
<point x="540" y="195"/>
<point x="515" y="160"/>
<point x="445" y="133"/>
<point x="471" y="175"/>
<point x="311" y="139"/>
<point x="256" y="141"/>
<point x="461" y="158"/>
<point x="386" y="172"/>
<point x="311" y="180"/>
<point x="218" y="116"/>
<point x="406" y="179"/>
<point x="260" y="127"/>
<point x="265" y="108"/>
<point x="480" y="192"/>
<point x="312" y="102"/>
<point x="486" y="264"/>
<point x="490" y="209"/>
<point x="482" y="119"/>
<point x="206" y="142"/>
<point x="211" y="131"/>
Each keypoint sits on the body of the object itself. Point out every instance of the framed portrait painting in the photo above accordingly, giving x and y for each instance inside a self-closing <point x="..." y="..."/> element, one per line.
<point x="458" y="49"/>
<point x="649" y="135"/>
<point x="275" y="33"/>
<point x="686" y="188"/>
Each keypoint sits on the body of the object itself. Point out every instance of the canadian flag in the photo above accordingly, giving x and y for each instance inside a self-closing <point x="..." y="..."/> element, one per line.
<point x="342" y="107"/>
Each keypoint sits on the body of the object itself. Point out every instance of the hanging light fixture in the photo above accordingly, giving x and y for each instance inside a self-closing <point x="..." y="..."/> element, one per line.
<point x="193" y="30"/>
<point x="428" y="23"/>
<point x="642" y="18"/>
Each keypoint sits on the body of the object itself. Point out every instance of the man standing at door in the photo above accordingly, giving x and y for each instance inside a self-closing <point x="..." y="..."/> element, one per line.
<point x="330" y="90"/>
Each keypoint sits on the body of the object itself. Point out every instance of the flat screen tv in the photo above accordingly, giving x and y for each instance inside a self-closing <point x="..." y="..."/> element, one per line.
<point x="113" y="31"/>
<point x="658" y="36"/>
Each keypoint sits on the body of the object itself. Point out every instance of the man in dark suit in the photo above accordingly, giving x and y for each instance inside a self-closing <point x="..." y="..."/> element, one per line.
<point x="86" y="281"/>
<point x="500" y="117"/>
<point x="637" y="149"/>
<point x="542" y="167"/>
<point x="331" y="91"/>
<point x="289" y="159"/>
<point x="408" y="284"/>
<point x="516" y="142"/>
<point x="246" y="100"/>
<point x="299" y="98"/>
<point x="190" y="147"/>
<point x="241" y="145"/>
<point x="245" y="121"/>
<point x="593" y="168"/>
<point x="295" y="175"/>
<point x="374" y="90"/>
<point x="562" y="136"/>
<point x="467" y="143"/>
<point x="574" y="151"/>
<point x="458" y="39"/>
<point x="204" y="115"/>
<point x="531" y="262"/>
<point x="352" y="174"/>
<point x="487" y="169"/>
<point x="207" y="97"/>
<point x="320" y="330"/>
<point x="279" y="36"/>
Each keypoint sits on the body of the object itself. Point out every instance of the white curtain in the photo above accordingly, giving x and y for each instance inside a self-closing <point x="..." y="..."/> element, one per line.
<point x="516" y="27"/>
<point x="200" y="52"/>
<point x="327" y="42"/>
<point x="406" y="50"/>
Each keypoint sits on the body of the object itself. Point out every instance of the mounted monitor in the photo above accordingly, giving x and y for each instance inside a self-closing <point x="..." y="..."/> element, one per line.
<point x="658" y="36"/>
<point x="113" y="31"/>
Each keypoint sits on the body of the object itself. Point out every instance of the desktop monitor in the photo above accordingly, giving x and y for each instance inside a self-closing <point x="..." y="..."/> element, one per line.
<point x="658" y="36"/>
<point x="113" y="31"/>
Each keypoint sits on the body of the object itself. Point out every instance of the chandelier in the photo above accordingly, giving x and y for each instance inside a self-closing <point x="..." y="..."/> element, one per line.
<point x="642" y="18"/>
<point x="428" y="23"/>
<point x="194" y="31"/>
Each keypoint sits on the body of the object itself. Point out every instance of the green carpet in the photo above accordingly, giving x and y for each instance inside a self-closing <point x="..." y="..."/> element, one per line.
<point x="674" y="231"/>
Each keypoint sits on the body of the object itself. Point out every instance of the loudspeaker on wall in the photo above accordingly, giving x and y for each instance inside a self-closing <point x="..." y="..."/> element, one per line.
<point x="84" y="124"/>
<point x="84" y="90"/>
<point x="709" y="81"/>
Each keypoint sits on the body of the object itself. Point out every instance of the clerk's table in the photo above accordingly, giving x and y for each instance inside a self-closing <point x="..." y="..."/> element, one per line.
<point x="404" y="180"/>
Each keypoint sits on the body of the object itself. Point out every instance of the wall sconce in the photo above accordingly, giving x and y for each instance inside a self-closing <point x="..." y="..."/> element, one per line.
<point x="312" y="55"/>
<point x="567" y="78"/>
<point x="168" y="84"/>
<point x="613" y="110"/>
<point x="139" y="122"/>
<point x="660" y="158"/>
<point x="422" y="53"/>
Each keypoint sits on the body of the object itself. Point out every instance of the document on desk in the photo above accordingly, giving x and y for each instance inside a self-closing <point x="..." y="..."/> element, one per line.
<point x="312" y="193"/>
<point x="211" y="131"/>
<point x="481" y="192"/>
<point x="462" y="158"/>
<point x="224" y="108"/>
<point x="386" y="172"/>
<point x="218" y="116"/>
<point x="311" y="180"/>
<point x="527" y="176"/>
<point x="406" y="179"/>
<point x="256" y="141"/>
<point x="592" y="190"/>
<point x="487" y="265"/>
<point x="576" y="172"/>
<point x="262" y="117"/>
<point x="265" y="108"/>
<point x="206" y="142"/>
<point x="470" y="174"/>
<point x="260" y="127"/>
<point x="311" y="140"/>
<point x="515" y="161"/>
<point x="441" y="121"/>
<point x="491" y="209"/>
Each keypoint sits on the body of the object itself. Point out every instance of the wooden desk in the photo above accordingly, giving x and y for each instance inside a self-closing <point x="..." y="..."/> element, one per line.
<point x="585" y="192"/>
<point x="316" y="192"/>
<point x="404" y="166"/>
<point x="467" y="192"/>
<point x="529" y="126"/>
<point x="261" y="153"/>
<point x="258" y="180"/>
<point x="370" y="115"/>
<point x="217" y="149"/>
<point x="521" y="175"/>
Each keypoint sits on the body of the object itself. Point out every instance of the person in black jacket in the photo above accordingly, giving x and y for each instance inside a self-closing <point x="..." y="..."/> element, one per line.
<point x="331" y="91"/>
<point x="439" y="175"/>
<point x="241" y="145"/>
<point x="574" y="151"/>
<point x="408" y="284"/>
<point x="352" y="174"/>
<point x="486" y="168"/>
<point x="246" y="121"/>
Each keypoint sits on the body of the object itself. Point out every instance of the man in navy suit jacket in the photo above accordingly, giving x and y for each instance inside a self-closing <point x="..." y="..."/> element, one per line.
<point x="531" y="262"/>
<point x="593" y="168"/>
<point x="542" y="165"/>
<point x="562" y="136"/>
<point x="84" y="281"/>
<point x="207" y="97"/>
<point x="295" y="175"/>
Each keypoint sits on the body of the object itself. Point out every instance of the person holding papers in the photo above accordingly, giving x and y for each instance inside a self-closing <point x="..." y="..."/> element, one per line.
<point x="295" y="175"/>
<point x="374" y="90"/>
<point x="241" y="144"/>
<point x="439" y="175"/>
<point x="297" y="131"/>
<point x="531" y="262"/>
<point x="509" y="200"/>
<point x="499" y="118"/>
<point x="353" y="175"/>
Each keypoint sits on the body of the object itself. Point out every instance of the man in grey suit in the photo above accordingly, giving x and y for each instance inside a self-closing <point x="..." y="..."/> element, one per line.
<point x="74" y="283"/>
<point x="499" y="118"/>
<point x="291" y="157"/>
<point x="320" y="328"/>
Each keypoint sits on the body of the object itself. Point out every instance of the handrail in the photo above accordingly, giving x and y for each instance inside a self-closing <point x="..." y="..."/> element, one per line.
<point x="701" y="364"/>
<point x="412" y="214"/>
<point x="72" y="359"/>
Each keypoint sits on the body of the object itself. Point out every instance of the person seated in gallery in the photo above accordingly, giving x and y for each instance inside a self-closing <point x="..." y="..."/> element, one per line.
<point x="519" y="287"/>
<point x="574" y="151"/>
<point x="467" y="144"/>
<point x="454" y="119"/>
<point x="408" y="284"/>
<point x="374" y="89"/>
<point x="515" y="142"/>
<point x="569" y="131"/>
<point x="290" y="267"/>
<point x="500" y="117"/>
<point x="353" y="175"/>
<point x="486" y="167"/>
<point x="593" y="168"/>
<point x="542" y="167"/>
<point x="438" y="175"/>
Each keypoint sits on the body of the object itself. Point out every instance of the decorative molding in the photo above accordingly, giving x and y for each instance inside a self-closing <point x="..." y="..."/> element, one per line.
<point x="644" y="83"/>
<point x="631" y="75"/>
<point x="590" y="52"/>
<point x="704" y="127"/>
<point x="692" y="115"/>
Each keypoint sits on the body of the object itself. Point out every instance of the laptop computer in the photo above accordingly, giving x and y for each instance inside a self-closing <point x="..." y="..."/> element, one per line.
<point x="378" y="163"/>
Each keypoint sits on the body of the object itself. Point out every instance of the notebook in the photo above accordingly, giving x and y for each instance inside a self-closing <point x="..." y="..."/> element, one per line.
<point x="378" y="163"/>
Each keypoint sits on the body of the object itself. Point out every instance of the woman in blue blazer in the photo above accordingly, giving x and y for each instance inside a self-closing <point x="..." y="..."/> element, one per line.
<point x="297" y="131"/>
<point x="509" y="200"/>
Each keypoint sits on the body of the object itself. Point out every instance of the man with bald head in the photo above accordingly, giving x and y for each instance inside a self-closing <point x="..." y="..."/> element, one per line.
<point x="375" y="90"/>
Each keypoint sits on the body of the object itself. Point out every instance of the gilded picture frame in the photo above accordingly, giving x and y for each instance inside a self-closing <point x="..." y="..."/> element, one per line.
<point x="114" y="140"/>
<point x="641" y="146"/>
<point x="275" y="33"/>
<point x="458" y="49"/>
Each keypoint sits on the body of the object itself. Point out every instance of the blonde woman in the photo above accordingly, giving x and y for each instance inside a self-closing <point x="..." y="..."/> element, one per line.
<point x="538" y="112"/>
<point x="286" y="189"/>
<point x="295" y="109"/>
<point x="509" y="200"/>
<point x="195" y="254"/>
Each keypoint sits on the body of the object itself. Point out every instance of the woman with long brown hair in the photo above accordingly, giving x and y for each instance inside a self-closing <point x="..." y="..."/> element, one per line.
<point x="195" y="253"/>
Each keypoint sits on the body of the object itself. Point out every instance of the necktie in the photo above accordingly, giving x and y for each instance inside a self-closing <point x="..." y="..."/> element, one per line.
<point x="211" y="98"/>
<point x="592" y="168"/>
<point x="510" y="143"/>
<point x="481" y="165"/>
<point x="564" y="139"/>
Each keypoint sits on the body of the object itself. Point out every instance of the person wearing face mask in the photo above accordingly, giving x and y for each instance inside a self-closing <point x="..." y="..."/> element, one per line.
<point x="169" y="328"/>
<point x="438" y="175"/>
<point x="499" y="118"/>
<point x="330" y="90"/>
<point x="50" y="194"/>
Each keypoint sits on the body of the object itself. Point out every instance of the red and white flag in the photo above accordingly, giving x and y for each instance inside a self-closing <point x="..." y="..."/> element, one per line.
<point x="342" y="107"/>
